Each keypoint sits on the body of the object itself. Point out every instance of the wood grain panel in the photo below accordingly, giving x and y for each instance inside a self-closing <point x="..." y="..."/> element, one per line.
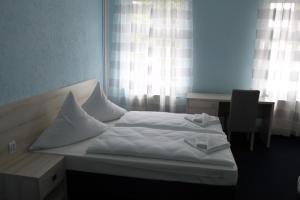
<point x="24" y="121"/>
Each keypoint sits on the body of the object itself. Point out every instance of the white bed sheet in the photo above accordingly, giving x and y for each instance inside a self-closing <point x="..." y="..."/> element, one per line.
<point x="77" y="159"/>
<point x="164" y="120"/>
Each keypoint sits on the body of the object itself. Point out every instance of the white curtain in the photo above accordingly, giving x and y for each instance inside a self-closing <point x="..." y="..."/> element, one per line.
<point x="276" y="71"/>
<point x="151" y="61"/>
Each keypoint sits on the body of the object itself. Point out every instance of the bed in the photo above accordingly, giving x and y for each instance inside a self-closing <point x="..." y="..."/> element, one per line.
<point x="25" y="120"/>
<point x="117" y="172"/>
<point x="149" y="168"/>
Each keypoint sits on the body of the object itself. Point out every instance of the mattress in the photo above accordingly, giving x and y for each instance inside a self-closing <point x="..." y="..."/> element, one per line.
<point x="77" y="159"/>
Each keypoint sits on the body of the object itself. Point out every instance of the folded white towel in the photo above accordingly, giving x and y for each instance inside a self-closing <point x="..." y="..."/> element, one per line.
<point x="198" y="117"/>
<point x="200" y="142"/>
<point x="202" y="120"/>
<point x="208" y="143"/>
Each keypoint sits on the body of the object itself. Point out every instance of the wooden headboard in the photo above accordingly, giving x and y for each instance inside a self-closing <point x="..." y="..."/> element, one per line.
<point x="24" y="121"/>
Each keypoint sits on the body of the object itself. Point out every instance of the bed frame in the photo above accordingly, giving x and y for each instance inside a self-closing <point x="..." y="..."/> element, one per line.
<point x="25" y="120"/>
<point x="84" y="185"/>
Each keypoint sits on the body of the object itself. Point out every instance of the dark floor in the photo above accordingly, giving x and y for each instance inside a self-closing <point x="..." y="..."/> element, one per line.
<point x="267" y="173"/>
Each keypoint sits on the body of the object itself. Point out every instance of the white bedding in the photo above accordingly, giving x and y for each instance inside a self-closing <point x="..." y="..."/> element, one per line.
<point x="156" y="143"/>
<point x="164" y="120"/>
<point x="77" y="159"/>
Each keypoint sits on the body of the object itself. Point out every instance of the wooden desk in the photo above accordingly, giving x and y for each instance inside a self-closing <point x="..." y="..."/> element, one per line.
<point x="219" y="105"/>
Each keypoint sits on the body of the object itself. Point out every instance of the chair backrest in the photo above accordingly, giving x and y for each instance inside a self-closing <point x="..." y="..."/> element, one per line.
<point x="243" y="110"/>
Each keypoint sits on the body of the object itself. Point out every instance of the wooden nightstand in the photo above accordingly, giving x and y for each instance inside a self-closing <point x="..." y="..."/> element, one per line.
<point x="33" y="176"/>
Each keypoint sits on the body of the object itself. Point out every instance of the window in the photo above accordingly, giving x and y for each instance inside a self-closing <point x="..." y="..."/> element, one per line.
<point x="152" y="51"/>
<point x="276" y="71"/>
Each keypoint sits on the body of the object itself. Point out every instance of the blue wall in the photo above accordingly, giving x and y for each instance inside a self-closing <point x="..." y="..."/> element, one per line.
<point x="48" y="44"/>
<point x="224" y="41"/>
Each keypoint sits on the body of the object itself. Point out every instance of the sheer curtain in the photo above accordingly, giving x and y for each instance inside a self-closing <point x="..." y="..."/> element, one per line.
<point x="151" y="61"/>
<point x="276" y="71"/>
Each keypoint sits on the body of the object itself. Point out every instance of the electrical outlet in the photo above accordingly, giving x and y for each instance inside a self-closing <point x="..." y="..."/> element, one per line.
<point x="12" y="146"/>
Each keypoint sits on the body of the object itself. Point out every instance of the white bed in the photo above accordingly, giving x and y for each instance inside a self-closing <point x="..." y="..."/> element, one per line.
<point x="148" y="168"/>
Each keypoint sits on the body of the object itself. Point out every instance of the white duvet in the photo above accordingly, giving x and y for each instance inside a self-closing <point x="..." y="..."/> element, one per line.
<point x="164" y="120"/>
<point x="157" y="144"/>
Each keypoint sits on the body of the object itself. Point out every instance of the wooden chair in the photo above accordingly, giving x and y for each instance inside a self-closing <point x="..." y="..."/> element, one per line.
<point x="243" y="113"/>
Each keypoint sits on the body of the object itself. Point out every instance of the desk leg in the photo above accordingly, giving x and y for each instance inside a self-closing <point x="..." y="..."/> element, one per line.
<point x="223" y="112"/>
<point x="225" y="121"/>
<point x="270" y="126"/>
<point x="268" y="119"/>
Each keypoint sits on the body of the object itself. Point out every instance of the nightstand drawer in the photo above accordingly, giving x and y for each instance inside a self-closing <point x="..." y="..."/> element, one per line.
<point x="51" y="179"/>
<point x="33" y="176"/>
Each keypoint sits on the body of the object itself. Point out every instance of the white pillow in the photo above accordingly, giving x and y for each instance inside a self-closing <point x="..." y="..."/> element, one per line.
<point x="101" y="108"/>
<point x="71" y="125"/>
